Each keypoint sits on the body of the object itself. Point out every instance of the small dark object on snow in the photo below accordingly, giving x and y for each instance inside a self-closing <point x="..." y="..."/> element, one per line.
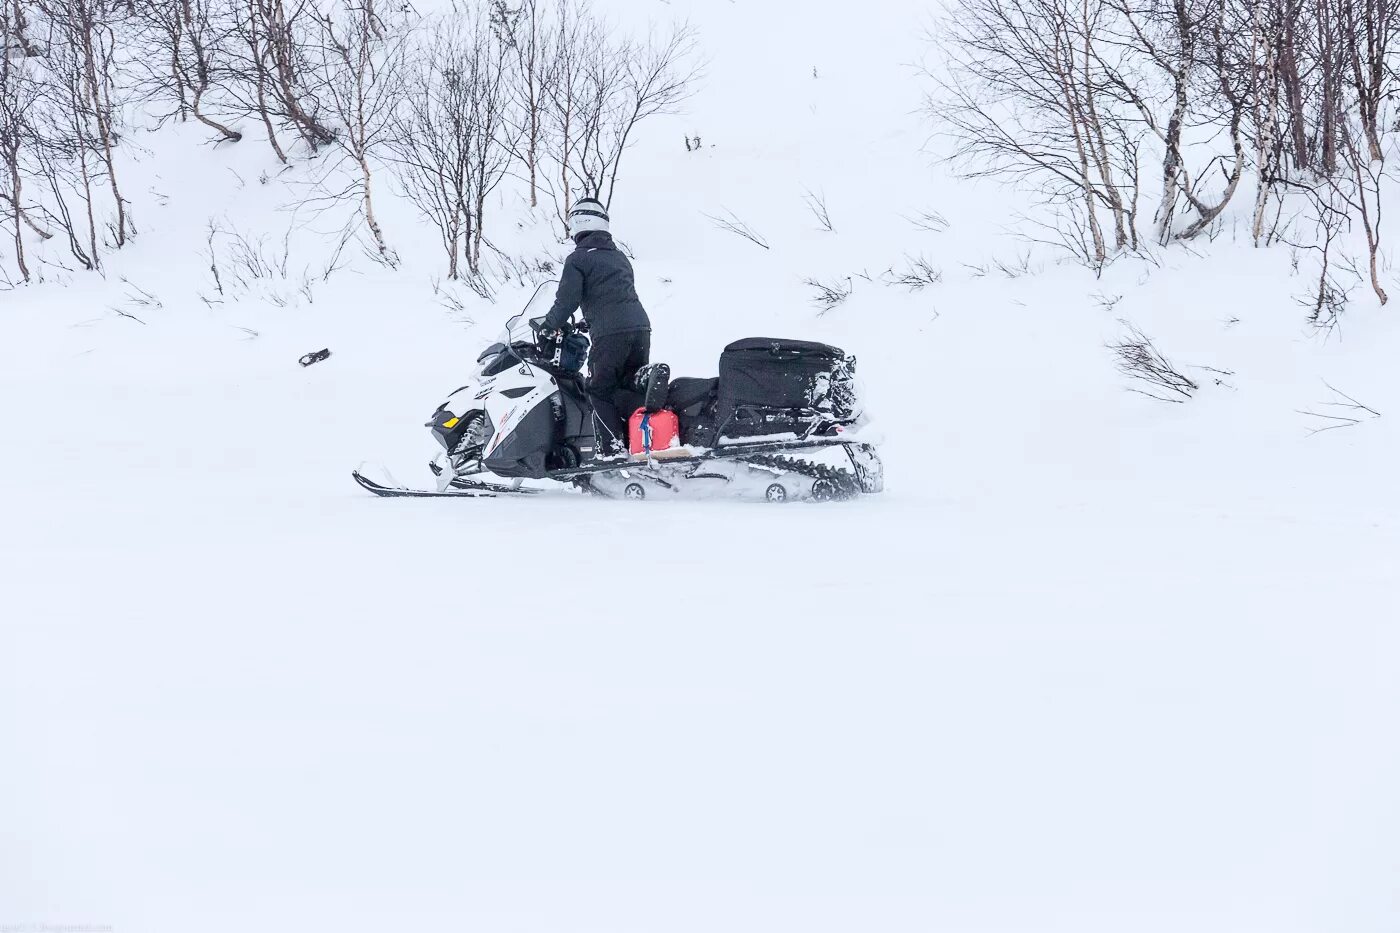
<point x="316" y="357"/>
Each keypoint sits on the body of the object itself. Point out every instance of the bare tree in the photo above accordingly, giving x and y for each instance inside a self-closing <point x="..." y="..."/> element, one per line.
<point x="362" y="75"/>
<point x="602" y="89"/>
<point x="525" y="30"/>
<point x="1178" y="50"/>
<point x="1359" y="191"/>
<point x="14" y="29"/>
<point x="257" y="74"/>
<point x="452" y="142"/>
<point x="1046" y="93"/>
<point x="494" y="138"/>
<point x="1336" y="275"/>
<point x="18" y="95"/>
<point x="193" y="38"/>
<point x="432" y="136"/>
<point x="628" y="82"/>
<point x="279" y="35"/>
<point x="1281" y="26"/>
<point x="82" y="59"/>
<point x="1368" y="32"/>
<point x="576" y="40"/>
<point x="61" y="158"/>
<point x="1024" y="97"/>
<point x="1271" y="59"/>
<point x="1227" y="60"/>
<point x="659" y="74"/>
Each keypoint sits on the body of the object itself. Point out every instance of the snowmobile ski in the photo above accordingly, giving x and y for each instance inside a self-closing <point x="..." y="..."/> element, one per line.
<point x="459" y="490"/>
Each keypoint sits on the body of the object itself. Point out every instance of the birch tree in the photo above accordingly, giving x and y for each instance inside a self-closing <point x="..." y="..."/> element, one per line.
<point x="452" y="142"/>
<point x="362" y="74"/>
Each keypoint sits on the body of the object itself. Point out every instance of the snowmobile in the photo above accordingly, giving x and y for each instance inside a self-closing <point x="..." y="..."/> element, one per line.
<point x="779" y="424"/>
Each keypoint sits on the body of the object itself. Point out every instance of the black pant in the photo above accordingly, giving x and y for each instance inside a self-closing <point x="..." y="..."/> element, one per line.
<point x="613" y="361"/>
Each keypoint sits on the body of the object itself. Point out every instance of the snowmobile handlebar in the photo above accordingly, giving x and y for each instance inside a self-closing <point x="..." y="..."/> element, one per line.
<point x="548" y="340"/>
<point x="566" y="347"/>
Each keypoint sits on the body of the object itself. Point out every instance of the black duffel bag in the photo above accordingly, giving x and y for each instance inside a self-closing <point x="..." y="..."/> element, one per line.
<point x="693" y="401"/>
<point x="775" y="386"/>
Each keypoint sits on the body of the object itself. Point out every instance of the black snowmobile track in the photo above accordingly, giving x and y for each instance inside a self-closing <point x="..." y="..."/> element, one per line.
<point x="841" y="484"/>
<point x="774" y="454"/>
<point x="747" y="452"/>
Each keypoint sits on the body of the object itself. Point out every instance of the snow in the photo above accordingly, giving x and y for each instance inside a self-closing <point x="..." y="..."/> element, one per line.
<point x="1091" y="663"/>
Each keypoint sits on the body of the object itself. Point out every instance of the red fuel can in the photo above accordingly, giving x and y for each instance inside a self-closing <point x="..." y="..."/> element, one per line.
<point x="659" y="430"/>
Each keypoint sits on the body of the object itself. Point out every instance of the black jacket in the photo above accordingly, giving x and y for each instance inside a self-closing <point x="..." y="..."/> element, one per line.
<point x="598" y="279"/>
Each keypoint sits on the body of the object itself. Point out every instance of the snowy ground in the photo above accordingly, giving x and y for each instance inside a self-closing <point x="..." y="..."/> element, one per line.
<point x="1092" y="663"/>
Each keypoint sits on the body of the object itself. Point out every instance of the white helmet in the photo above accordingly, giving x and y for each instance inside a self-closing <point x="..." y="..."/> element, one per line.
<point x="586" y="215"/>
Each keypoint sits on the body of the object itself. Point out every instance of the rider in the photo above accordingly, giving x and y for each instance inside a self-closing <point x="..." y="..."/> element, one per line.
<point x="598" y="279"/>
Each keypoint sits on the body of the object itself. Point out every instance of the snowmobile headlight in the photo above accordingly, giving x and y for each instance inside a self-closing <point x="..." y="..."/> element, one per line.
<point x="442" y="426"/>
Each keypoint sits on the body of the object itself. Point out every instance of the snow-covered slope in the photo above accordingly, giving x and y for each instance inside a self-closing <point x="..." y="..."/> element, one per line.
<point x="1092" y="663"/>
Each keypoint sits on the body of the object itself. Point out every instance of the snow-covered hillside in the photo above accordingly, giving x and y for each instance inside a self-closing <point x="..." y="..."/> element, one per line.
<point x="1091" y="663"/>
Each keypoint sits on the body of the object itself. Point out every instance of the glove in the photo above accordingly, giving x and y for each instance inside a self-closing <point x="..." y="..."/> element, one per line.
<point x="550" y="334"/>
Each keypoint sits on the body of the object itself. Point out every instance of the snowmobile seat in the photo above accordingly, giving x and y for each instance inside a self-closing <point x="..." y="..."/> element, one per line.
<point x="693" y="401"/>
<point x="687" y="393"/>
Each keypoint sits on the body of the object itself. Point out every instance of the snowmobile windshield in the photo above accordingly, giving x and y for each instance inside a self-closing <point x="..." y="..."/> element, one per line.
<point x="519" y="333"/>
<point x="495" y="359"/>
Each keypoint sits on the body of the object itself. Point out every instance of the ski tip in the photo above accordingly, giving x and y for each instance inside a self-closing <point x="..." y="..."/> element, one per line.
<point x="402" y="492"/>
<point x="365" y="483"/>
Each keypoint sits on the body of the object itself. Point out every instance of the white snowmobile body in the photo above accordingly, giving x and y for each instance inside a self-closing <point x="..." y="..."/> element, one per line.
<point x="526" y="415"/>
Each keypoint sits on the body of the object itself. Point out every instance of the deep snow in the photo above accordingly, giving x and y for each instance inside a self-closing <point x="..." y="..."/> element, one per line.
<point x="1092" y="663"/>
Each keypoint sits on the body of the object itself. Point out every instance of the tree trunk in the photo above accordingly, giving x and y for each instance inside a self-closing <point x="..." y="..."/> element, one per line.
<point x="312" y="132"/>
<point x="102" y="114"/>
<point x="1097" y="139"/>
<point x="1266" y="124"/>
<point x="1370" y="222"/>
<point x="478" y="231"/>
<point x="1208" y="213"/>
<point x="1064" y="57"/>
<point x="231" y="135"/>
<point x="1327" y="56"/>
<point x="1283" y="65"/>
<point x="370" y="220"/>
<point x="532" y="106"/>
<point x="280" y="38"/>
<point x="1171" y="163"/>
<point x="1375" y="278"/>
<point x="532" y="155"/>
<point x="29" y="221"/>
<point x="92" y="220"/>
<point x="1367" y="47"/>
<point x="177" y="72"/>
<point x="21" y="31"/>
<point x="260" y="72"/>
<point x="15" y="194"/>
<point x="466" y="240"/>
<point x="201" y="66"/>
